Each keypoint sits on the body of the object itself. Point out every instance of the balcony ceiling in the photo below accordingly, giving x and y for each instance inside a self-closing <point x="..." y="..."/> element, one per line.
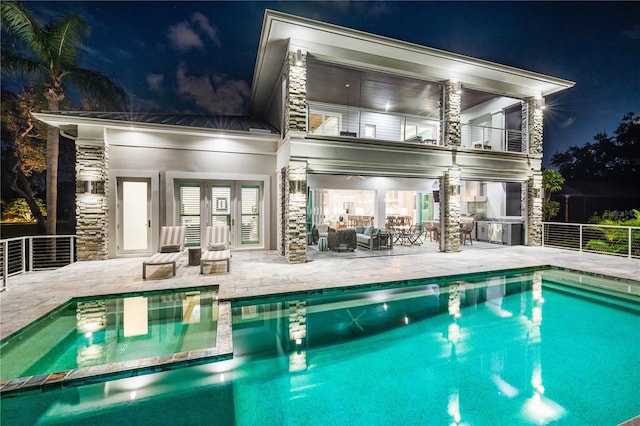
<point x="368" y="89"/>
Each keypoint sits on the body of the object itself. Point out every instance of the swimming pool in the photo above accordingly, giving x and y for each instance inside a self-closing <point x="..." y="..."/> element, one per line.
<point x="99" y="338"/>
<point x="516" y="347"/>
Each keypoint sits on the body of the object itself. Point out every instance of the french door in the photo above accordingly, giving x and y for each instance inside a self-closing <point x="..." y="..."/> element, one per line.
<point x="236" y="204"/>
<point x="134" y="216"/>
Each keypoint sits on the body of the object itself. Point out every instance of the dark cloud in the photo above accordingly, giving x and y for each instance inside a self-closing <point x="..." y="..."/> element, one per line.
<point x="155" y="82"/>
<point x="186" y="35"/>
<point x="215" y="94"/>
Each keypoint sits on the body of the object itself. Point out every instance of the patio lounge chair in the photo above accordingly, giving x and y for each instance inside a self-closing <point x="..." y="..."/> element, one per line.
<point x="215" y="247"/>
<point x="170" y="250"/>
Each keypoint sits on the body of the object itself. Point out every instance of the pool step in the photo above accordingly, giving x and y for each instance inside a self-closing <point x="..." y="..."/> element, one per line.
<point x="604" y="297"/>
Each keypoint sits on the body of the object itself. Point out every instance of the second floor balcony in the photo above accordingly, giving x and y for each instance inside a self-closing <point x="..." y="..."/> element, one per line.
<point x="344" y="121"/>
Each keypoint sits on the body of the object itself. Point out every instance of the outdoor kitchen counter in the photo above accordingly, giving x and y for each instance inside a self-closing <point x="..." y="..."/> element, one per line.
<point x="500" y="231"/>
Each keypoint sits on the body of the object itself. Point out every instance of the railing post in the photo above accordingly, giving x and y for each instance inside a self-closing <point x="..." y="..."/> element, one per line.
<point x="30" y="239"/>
<point x="71" y="248"/>
<point x="629" y="245"/>
<point x="580" y="237"/>
<point x="23" y="260"/>
<point x="543" y="223"/>
<point x="5" y="264"/>
<point x="505" y="140"/>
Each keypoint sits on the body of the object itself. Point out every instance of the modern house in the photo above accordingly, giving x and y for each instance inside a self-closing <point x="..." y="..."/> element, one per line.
<point x="343" y="124"/>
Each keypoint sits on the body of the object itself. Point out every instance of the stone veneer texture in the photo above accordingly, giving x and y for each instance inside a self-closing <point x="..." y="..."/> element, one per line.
<point x="282" y="195"/>
<point x="534" y="210"/>
<point x="532" y="118"/>
<point x="296" y="216"/>
<point x="451" y="133"/>
<point x="92" y="212"/>
<point x="296" y="105"/>
<point x="450" y="196"/>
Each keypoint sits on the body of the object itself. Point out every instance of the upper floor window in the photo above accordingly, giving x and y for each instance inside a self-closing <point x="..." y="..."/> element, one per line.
<point x="324" y="123"/>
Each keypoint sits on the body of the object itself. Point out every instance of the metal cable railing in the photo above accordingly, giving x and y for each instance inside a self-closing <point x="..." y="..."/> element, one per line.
<point x="35" y="253"/>
<point x="603" y="239"/>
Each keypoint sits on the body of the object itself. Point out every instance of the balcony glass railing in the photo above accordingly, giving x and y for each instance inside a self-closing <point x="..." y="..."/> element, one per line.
<point x="339" y="120"/>
<point x="482" y="137"/>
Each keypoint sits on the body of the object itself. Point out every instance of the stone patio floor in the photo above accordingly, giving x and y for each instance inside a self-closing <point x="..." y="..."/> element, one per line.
<point x="254" y="273"/>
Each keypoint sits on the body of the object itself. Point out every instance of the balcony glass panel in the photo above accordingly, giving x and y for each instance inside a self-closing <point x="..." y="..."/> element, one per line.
<point x="340" y="120"/>
<point x="491" y="138"/>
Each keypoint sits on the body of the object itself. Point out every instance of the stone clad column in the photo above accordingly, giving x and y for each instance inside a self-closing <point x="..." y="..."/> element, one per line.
<point x="450" y="182"/>
<point x="92" y="212"/>
<point x="532" y="126"/>
<point x="295" y="214"/>
<point x="451" y="133"/>
<point x="534" y="210"/>
<point x="296" y="102"/>
<point x="532" y="115"/>
<point x="450" y="211"/>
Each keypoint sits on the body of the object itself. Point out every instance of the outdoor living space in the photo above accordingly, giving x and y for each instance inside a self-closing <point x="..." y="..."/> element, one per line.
<point x="401" y="211"/>
<point x="33" y="294"/>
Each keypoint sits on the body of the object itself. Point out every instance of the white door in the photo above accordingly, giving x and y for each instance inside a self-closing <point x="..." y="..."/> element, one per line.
<point x="134" y="216"/>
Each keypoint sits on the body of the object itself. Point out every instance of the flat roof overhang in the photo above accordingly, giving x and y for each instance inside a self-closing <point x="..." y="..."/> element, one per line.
<point x="69" y="123"/>
<point x="331" y="43"/>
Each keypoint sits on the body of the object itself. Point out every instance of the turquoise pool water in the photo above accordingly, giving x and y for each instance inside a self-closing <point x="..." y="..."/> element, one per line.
<point x="92" y="332"/>
<point x="515" y="348"/>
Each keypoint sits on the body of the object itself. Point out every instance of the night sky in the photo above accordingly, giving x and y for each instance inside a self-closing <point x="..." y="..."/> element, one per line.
<point x="198" y="57"/>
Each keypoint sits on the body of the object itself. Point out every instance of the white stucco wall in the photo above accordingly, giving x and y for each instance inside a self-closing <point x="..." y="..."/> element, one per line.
<point x="194" y="158"/>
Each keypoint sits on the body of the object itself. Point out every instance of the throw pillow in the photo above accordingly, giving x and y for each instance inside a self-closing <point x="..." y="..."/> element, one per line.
<point x="170" y="248"/>
<point x="217" y="246"/>
<point x="369" y="230"/>
<point x="359" y="229"/>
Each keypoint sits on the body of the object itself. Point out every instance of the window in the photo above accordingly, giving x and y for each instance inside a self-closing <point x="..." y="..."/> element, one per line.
<point x="513" y="199"/>
<point x="250" y="214"/>
<point x="324" y="123"/>
<point x="370" y="130"/>
<point x="190" y="212"/>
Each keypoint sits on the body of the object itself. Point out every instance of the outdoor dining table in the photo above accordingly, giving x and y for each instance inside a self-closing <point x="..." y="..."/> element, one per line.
<point x="401" y="235"/>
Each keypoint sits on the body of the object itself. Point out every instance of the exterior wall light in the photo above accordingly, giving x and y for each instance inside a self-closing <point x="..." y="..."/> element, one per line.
<point x="297" y="186"/>
<point x="89" y="188"/>
<point x="458" y="87"/>
<point x="542" y="104"/>
<point x="299" y="57"/>
<point x="92" y="187"/>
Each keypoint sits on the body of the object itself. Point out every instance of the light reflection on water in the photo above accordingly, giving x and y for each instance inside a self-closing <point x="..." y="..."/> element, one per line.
<point x="502" y="351"/>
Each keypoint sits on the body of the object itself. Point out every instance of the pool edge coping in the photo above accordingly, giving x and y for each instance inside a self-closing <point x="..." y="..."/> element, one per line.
<point x="124" y="369"/>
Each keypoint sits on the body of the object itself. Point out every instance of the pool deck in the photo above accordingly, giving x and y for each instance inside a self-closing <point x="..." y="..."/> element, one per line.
<point x="256" y="273"/>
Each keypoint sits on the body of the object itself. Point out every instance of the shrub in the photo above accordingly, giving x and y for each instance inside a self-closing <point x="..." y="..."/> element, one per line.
<point x="18" y="211"/>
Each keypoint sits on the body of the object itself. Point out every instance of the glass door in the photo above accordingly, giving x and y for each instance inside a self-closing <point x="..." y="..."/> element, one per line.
<point x="189" y="194"/>
<point x="250" y="207"/>
<point x="133" y="216"/>
<point x="221" y="196"/>
<point x="222" y="203"/>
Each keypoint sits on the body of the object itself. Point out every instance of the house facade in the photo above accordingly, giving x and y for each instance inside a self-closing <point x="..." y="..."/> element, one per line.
<point x="345" y="127"/>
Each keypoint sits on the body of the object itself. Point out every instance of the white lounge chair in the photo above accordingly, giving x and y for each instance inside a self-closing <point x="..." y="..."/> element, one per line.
<point x="170" y="249"/>
<point x="215" y="247"/>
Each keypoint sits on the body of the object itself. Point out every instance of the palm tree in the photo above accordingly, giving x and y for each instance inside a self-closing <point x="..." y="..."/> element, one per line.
<point x="52" y="60"/>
